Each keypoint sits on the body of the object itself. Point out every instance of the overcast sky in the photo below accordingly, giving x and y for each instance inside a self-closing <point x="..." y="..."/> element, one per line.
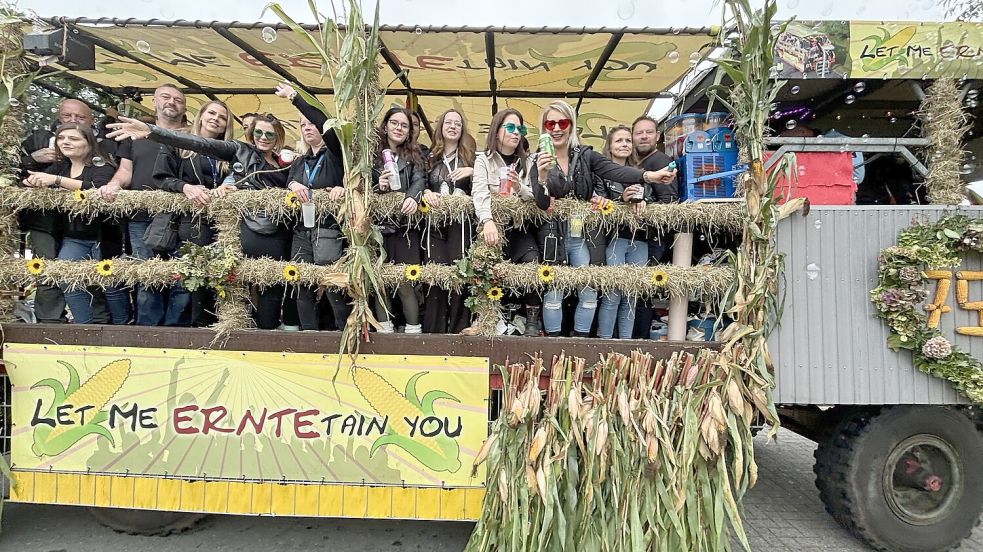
<point x="590" y="13"/>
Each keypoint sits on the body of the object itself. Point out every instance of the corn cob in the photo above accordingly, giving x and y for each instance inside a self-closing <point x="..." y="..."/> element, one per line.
<point x="96" y="392"/>
<point x="975" y="331"/>
<point x="938" y="274"/>
<point x="387" y="401"/>
<point x="969" y="275"/>
<point x="962" y="291"/>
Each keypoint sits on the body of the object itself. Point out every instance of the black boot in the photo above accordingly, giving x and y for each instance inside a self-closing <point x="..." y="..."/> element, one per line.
<point x="532" y="321"/>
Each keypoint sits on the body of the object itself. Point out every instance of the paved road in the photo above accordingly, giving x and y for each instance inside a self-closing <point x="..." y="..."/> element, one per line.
<point x="783" y="514"/>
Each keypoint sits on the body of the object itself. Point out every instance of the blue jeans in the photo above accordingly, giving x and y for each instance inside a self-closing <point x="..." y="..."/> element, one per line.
<point x="80" y="300"/>
<point x="614" y="307"/>
<point x="577" y="255"/>
<point x="152" y="308"/>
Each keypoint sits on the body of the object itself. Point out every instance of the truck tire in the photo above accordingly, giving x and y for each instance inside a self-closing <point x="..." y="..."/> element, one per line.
<point x="904" y="478"/>
<point x="150" y="523"/>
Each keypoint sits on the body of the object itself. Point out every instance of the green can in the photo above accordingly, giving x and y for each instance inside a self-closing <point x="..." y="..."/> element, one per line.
<point x="546" y="146"/>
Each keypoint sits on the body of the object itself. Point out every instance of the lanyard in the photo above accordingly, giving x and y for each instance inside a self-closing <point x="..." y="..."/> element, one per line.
<point x="311" y="172"/>
<point x="448" y="165"/>
<point x="214" y="166"/>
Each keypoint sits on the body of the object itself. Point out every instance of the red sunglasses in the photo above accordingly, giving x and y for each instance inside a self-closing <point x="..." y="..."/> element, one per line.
<point x="562" y="123"/>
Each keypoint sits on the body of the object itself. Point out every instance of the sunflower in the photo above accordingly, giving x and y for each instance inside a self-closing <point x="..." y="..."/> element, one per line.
<point x="659" y="278"/>
<point x="546" y="274"/>
<point x="413" y="272"/>
<point x="104" y="268"/>
<point x="35" y="266"/>
<point x="423" y="208"/>
<point x="290" y="200"/>
<point x="495" y="293"/>
<point x="220" y="291"/>
<point x="79" y="195"/>
<point x="607" y="208"/>
<point x="291" y="273"/>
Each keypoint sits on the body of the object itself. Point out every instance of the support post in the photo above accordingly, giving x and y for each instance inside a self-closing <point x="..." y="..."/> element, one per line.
<point x="682" y="255"/>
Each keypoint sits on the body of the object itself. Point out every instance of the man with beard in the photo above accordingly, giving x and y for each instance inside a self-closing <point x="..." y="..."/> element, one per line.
<point x="136" y="172"/>
<point x="644" y="140"/>
<point x="43" y="226"/>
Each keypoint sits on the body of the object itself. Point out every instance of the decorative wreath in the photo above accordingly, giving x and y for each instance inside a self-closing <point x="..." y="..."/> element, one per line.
<point x="925" y="256"/>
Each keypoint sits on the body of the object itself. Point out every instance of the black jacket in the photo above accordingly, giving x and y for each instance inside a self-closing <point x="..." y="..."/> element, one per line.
<point x="412" y="178"/>
<point x="663" y="193"/>
<point x="249" y="167"/>
<point x="439" y="173"/>
<point x="332" y="171"/>
<point x="587" y="172"/>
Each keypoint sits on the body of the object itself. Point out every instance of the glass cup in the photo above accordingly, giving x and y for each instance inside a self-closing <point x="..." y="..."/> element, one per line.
<point x="307" y="211"/>
<point x="504" y="186"/>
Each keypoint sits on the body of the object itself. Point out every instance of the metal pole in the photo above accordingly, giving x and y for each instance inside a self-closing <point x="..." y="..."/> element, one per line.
<point x="682" y="255"/>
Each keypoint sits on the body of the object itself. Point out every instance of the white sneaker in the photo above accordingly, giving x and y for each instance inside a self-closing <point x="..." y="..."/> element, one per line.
<point x="413" y="329"/>
<point x="386" y="327"/>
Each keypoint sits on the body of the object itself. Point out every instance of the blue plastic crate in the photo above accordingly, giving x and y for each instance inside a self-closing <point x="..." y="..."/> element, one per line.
<point x="693" y="166"/>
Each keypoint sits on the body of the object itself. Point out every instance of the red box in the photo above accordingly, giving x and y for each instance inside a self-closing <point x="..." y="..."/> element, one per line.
<point x="826" y="178"/>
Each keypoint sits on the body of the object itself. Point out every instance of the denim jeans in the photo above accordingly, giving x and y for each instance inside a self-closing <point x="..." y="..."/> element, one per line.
<point x="614" y="307"/>
<point x="578" y="254"/>
<point x="154" y="307"/>
<point x="80" y="300"/>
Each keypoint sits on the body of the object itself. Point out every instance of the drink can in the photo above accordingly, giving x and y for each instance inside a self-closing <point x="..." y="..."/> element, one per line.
<point x="546" y="145"/>
<point x="389" y="163"/>
<point x="504" y="186"/>
<point x="638" y="196"/>
<point x="576" y="226"/>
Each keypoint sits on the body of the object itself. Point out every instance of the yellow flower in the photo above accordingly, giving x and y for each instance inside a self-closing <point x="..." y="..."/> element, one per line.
<point x="423" y="208"/>
<point x="104" y="268"/>
<point x="35" y="266"/>
<point x="546" y="274"/>
<point x="659" y="278"/>
<point x="413" y="272"/>
<point x="607" y="208"/>
<point x="495" y="294"/>
<point x="290" y="200"/>
<point x="291" y="273"/>
<point x="79" y="195"/>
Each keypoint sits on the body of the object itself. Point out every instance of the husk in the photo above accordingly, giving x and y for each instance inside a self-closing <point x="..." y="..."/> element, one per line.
<point x="944" y="123"/>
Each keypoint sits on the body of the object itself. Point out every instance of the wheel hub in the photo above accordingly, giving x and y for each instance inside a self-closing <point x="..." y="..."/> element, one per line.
<point x="922" y="479"/>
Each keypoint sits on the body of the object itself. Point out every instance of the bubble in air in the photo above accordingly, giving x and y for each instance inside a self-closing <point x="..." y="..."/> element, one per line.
<point x="98" y="161"/>
<point x="694" y="59"/>
<point x="860" y="87"/>
<point x="790" y="124"/>
<point x="238" y="167"/>
<point x="818" y="224"/>
<point x="893" y="120"/>
<point x="143" y="47"/>
<point x="850" y="99"/>
<point x="812" y="271"/>
<point x="269" y="35"/>
<point x="626" y="9"/>
<point x="802" y="170"/>
<point x="418" y="31"/>
<point x="792" y="4"/>
<point x="967" y="168"/>
<point x="673" y="57"/>
<point x="14" y="102"/>
<point x="795" y="89"/>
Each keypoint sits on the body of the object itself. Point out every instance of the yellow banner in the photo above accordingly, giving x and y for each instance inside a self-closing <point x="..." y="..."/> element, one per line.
<point x="255" y="416"/>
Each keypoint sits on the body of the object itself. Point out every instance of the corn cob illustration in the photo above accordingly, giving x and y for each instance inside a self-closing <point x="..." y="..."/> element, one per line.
<point x="96" y="393"/>
<point x="440" y="453"/>
<point x="889" y="43"/>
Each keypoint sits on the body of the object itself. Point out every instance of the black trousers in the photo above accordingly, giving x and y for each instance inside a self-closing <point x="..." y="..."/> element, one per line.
<point x="49" y="301"/>
<point x="307" y="298"/>
<point x="276" y="246"/>
<point x="443" y="310"/>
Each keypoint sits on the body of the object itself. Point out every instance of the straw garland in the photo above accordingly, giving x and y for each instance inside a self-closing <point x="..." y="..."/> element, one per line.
<point x="945" y="123"/>
<point x="509" y="211"/>
<point x="15" y="71"/>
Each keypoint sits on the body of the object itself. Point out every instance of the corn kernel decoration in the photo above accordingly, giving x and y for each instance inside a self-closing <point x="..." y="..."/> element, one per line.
<point x="904" y="298"/>
<point x="96" y="393"/>
<point x="440" y="453"/>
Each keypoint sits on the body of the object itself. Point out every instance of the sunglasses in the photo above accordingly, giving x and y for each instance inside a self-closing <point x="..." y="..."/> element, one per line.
<point x="562" y="123"/>
<point x="512" y="128"/>
<point x="269" y="135"/>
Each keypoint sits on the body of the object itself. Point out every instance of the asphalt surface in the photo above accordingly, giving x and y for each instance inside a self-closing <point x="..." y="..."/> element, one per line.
<point x="783" y="514"/>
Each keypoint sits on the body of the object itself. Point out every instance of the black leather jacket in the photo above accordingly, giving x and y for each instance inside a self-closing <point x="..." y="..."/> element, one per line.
<point x="249" y="167"/>
<point x="439" y="173"/>
<point x="588" y="171"/>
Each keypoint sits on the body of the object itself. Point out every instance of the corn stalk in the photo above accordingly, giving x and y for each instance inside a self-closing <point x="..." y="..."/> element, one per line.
<point x="348" y="61"/>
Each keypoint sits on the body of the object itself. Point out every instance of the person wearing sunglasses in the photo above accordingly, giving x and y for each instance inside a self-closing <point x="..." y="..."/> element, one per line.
<point x="503" y="168"/>
<point x="255" y="166"/>
<point x="579" y="172"/>
<point x="321" y="167"/>
<point x="451" y="166"/>
<point x="400" y="241"/>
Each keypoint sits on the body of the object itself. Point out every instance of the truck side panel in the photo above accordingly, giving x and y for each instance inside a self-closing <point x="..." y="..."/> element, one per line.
<point x="831" y="348"/>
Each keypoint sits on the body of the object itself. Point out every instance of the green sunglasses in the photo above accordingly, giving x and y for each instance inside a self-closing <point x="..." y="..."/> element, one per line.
<point x="512" y="128"/>
<point x="269" y="135"/>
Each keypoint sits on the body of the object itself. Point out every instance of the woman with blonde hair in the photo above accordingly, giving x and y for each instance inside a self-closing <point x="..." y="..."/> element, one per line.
<point x="451" y="167"/>
<point x="579" y="172"/>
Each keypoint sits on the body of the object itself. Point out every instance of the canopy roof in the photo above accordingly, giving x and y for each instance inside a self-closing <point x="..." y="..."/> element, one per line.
<point x="612" y="74"/>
